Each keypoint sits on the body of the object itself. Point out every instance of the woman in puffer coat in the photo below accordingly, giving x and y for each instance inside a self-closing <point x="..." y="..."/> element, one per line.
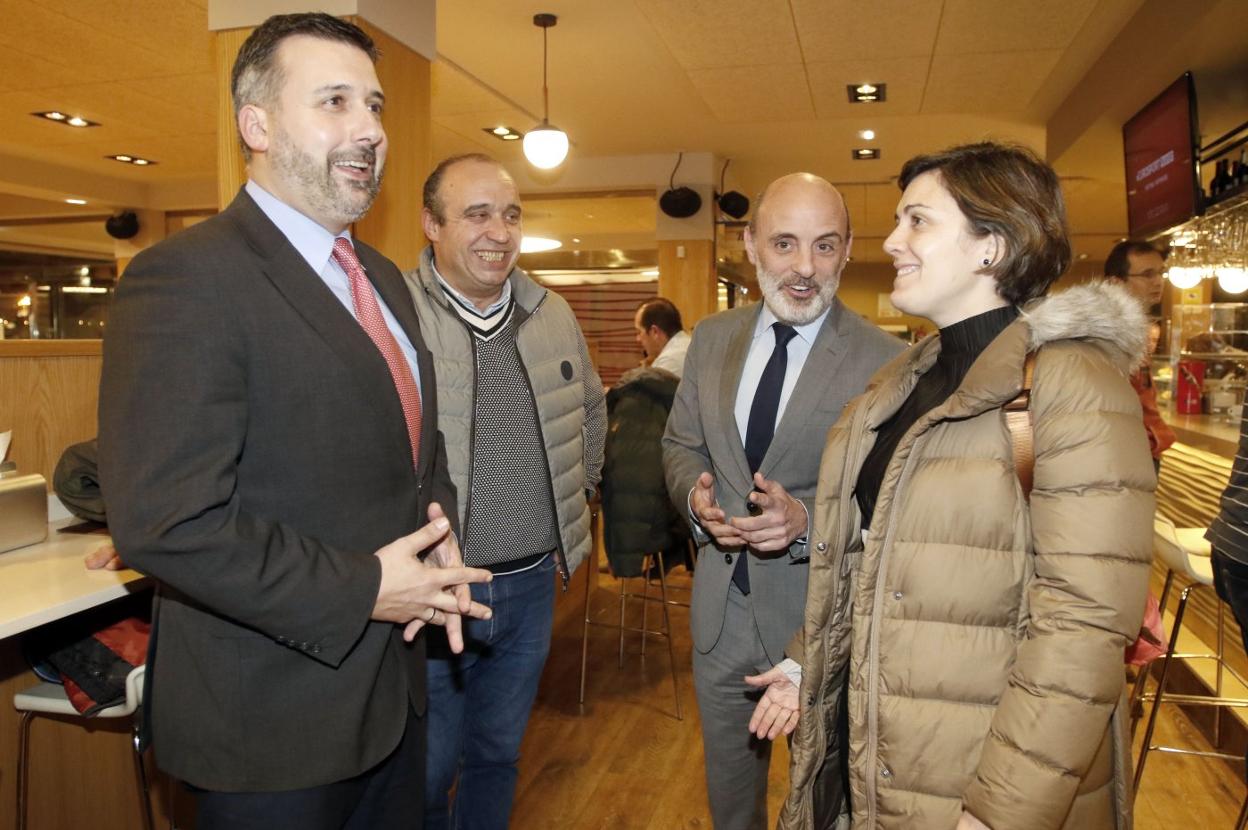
<point x="975" y="635"/>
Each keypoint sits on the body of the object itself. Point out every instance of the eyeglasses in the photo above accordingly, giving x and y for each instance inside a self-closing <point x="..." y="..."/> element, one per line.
<point x="1150" y="274"/>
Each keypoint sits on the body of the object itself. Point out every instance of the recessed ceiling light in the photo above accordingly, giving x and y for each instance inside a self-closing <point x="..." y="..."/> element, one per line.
<point x="503" y="132"/>
<point x="75" y="201"/>
<point x="866" y="135"/>
<point x="141" y="162"/>
<point x="126" y="158"/>
<point x="61" y="118"/>
<point x="122" y="158"/>
<point x="537" y="244"/>
<point x="866" y="93"/>
<point x="864" y="153"/>
<point x="576" y="239"/>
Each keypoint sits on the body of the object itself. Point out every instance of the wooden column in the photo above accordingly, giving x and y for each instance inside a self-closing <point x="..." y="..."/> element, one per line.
<point x="687" y="277"/>
<point x="393" y="224"/>
<point x="231" y="171"/>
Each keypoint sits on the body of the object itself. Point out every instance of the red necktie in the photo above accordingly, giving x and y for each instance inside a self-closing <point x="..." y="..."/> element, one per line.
<point x="368" y="313"/>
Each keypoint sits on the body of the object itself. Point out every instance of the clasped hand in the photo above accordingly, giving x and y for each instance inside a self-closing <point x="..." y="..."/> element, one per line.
<point x="433" y="591"/>
<point x="780" y="518"/>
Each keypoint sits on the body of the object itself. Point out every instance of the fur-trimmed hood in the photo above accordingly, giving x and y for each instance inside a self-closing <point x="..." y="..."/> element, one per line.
<point x="1102" y="312"/>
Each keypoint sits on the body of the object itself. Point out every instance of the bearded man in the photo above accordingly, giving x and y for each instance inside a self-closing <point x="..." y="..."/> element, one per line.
<point x="762" y="386"/>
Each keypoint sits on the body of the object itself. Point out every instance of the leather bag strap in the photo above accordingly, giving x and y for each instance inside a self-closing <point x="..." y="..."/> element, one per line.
<point x="1018" y="421"/>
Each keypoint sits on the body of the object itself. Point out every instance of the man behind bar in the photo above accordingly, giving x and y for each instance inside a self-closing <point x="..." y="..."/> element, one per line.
<point x="269" y="452"/>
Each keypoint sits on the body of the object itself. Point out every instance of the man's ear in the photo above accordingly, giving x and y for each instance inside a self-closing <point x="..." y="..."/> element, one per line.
<point x="253" y="126"/>
<point x="749" y="246"/>
<point x="430" y="225"/>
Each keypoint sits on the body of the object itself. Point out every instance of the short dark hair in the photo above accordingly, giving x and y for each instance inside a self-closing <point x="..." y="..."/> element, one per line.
<point x="663" y="313"/>
<point x="430" y="196"/>
<point x="257" y="76"/>
<point x="1007" y="190"/>
<point x="1116" y="264"/>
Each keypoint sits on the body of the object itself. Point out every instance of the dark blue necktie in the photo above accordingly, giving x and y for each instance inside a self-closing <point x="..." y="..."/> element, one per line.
<point x="762" y="424"/>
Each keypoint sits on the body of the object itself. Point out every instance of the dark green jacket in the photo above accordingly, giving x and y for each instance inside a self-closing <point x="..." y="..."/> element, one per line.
<point x="638" y="515"/>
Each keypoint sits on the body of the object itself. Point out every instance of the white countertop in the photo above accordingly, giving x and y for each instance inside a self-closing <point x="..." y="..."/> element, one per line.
<point x="45" y="582"/>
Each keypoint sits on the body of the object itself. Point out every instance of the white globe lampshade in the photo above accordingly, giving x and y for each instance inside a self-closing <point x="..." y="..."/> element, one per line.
<point x="1184" y="277"/>
<point x="1233" y="280"/>
<point x="546" y="146"/>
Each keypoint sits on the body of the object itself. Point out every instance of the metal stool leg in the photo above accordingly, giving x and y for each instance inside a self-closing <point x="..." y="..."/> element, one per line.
<point x="585" y="637"/>
<point x="1135" y="699"/>
<point x="1161" y="686"/>
<point x="141" y="774"/>
<point x="622" y="598"/>
<point x="23" y="767"/>
<point x="667" y="632"/>
<point x="1217" y="713"/>
<point x="646" y="564"/>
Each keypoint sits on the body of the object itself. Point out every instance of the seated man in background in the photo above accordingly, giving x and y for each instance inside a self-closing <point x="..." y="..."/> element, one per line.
<point x="661" y="334"/>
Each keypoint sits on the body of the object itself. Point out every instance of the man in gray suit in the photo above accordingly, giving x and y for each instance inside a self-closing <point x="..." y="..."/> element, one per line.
<point x="761" y="387"/>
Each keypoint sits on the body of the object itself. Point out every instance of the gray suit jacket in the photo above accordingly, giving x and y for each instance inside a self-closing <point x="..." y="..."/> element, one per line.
<point x="702" y="436"/>
<point x="253" y="456"/>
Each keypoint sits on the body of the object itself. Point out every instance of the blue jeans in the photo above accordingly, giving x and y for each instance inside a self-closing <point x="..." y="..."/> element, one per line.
<point x="479" y="701"/>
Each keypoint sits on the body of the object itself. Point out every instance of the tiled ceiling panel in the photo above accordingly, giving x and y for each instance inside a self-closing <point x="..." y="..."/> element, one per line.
<point x="836" y="30"/>
<point x="703" y="34"/>
<point x="755" y="93"/>
<point x="973" y="26"/>
<point x="906" y="79"/>
<point x="996" y="83"/>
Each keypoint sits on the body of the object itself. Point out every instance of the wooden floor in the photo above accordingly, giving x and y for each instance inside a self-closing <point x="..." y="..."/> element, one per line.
<point x="623" y="760"/>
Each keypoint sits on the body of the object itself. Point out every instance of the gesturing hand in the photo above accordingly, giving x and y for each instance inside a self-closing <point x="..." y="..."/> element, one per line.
<point x="778" y="709"/>
<point x="780" y="520"/>
<point x="709" y="514"/>
<point x="415" y="591"/>
<point x="446" y="554"/>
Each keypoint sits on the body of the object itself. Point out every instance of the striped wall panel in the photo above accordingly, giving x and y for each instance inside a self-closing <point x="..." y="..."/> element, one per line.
<point x="606" y="313"/>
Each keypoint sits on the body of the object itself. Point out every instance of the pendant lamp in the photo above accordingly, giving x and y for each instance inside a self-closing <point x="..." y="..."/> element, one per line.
<point x="545" y="146"/>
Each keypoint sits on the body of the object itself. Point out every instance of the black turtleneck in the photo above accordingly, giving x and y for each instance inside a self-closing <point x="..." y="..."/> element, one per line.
<point x="960" y="345"/>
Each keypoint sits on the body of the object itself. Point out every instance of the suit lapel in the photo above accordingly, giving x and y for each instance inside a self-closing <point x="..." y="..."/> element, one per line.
<point x="312" y="300"/>
<point x="730" y="378"/>
<point x="818" y="373"/>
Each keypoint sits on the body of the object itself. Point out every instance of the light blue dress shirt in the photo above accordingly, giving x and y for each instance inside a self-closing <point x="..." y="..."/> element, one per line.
<point x="761" y="347"/>
<point x="316" y="245"/>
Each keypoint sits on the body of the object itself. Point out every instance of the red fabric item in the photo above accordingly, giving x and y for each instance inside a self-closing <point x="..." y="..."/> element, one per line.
<point x="368" y="313"/>
<point x="128" y="640"/>
<point x="1151" y="643"/>
<point x="1160" y="436"/>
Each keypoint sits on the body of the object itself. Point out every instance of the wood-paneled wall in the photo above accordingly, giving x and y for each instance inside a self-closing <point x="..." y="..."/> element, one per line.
<point x="49" y="391"/>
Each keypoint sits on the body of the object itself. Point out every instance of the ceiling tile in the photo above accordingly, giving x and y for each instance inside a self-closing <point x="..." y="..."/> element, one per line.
<point x="702" y="34"/>
<point x="973" y="26"/>
<point x="755" y="93"/>
<point x="836" y="30"/>
<point x="990" y="83"/>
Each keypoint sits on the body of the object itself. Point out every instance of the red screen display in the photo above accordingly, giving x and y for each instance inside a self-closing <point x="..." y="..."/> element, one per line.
<point x="1158" y="144"/>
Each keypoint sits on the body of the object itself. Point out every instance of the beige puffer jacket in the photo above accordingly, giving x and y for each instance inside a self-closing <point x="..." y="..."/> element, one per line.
<point x="982" y="641"/>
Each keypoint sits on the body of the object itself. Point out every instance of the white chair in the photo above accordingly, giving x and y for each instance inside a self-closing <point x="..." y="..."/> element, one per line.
<point x="1187" y="555"/>
<point x="50" y="699"/>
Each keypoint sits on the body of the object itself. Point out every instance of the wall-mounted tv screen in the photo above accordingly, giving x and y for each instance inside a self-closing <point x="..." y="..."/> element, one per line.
<point x="1161" y="146"/>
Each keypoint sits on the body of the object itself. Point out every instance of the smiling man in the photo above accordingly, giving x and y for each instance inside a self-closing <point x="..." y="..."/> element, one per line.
<point x="761" y="387"/>
<point x="525" y="422"/>
<point x="268" y="430"/>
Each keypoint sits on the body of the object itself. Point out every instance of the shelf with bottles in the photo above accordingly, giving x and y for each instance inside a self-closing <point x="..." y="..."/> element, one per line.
<point x="1208" y="359"/>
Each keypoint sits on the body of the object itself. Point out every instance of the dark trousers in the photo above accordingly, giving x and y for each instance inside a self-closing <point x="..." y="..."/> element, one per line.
<point x="387" y="797"/>
<point x="1230" y="580"/>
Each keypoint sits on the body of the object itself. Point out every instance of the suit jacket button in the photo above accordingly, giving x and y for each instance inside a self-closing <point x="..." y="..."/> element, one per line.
<point x="728" y="558"/>
<point x="821" y="547"/>
<point x="316" y="648"/>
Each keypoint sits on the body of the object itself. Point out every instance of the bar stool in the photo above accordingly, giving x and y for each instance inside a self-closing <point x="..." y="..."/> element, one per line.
<point x="50" y="699"/>
<point x="1185" y="553"/>
<point x="648" y="561"/>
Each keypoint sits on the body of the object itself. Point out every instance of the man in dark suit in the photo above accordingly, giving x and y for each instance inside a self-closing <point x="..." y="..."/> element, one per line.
<point x="269" y="453"/>
<point x="762" y="386"/>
